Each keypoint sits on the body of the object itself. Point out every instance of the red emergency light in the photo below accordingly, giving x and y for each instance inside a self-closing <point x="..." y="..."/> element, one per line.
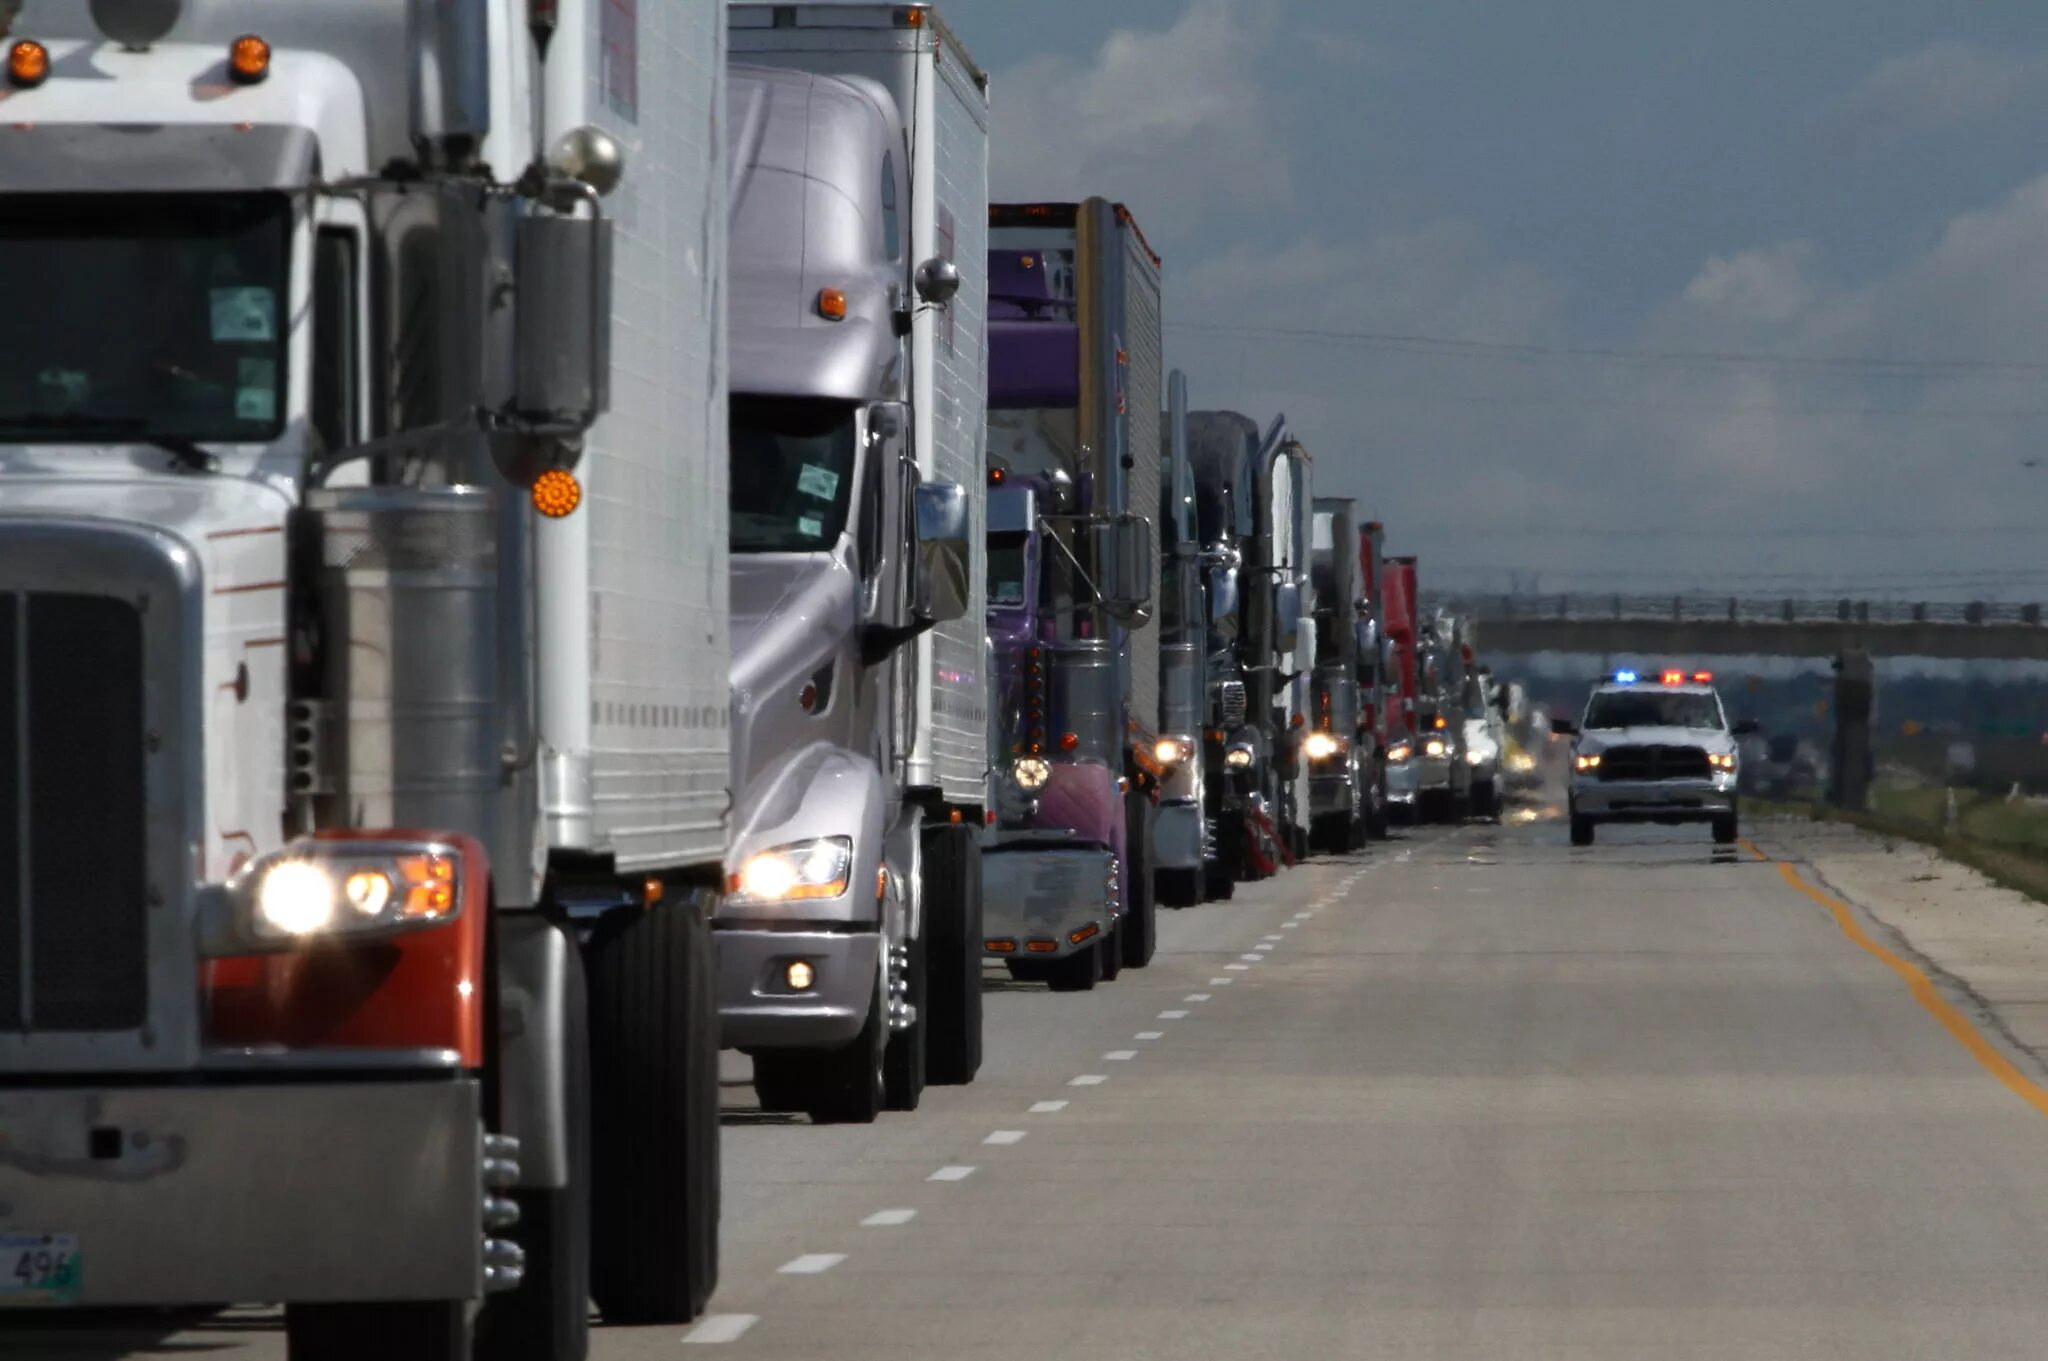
<point x="1702" y="678"/>
<point x="1674" y="678"/>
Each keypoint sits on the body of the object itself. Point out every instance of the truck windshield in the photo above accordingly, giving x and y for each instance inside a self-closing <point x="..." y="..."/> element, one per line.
<point x="1006" y="569"/>
<point x="143" y="316"/>
<point x="1652" y="709"/>
<point x="792" y="473"/>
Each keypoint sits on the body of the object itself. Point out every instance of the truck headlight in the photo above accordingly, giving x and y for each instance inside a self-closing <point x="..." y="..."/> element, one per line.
<point x="315" y="888"/>
<point x="1521" y="762"/>
<point x="1238" y="758"/>
<point x="1590" y="761"/>
<point x="1434" y="747"/>
<point x="1031" y="772"/>
<point x="1321" y="746"/>
<point x="1476" y="757"/>
<point x="1400" y="752"/>
<point x="1721" y="760"/>
<point x="1169" y="751"/>
<point x="802" y="869"/>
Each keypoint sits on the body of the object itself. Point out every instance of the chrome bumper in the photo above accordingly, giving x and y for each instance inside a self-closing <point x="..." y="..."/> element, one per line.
<point x="757" y="1009"/>
<point x="1046" y="897"/>
<point x="1653" y="799"/>
<point x="1403" y="780"/>
<point x="328" y="1191"/>
<point x="1432" y="772"/>
<point x="1177" y="836"/>
<point x="1334" y="793"/>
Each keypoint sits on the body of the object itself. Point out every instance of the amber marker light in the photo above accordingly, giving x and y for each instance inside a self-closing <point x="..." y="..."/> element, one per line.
<point x="557" y="493"/>
<point x="248" y="59"/>
<point x="28" y="64"/>
<point x="832" y="304"/>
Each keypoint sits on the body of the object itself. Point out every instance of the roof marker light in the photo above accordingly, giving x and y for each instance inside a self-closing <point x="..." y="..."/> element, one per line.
<point x="248" y="59"/>
<point x="557" y="493"/>
<point x="28" y="64"/>
<point x="832" y="304"/>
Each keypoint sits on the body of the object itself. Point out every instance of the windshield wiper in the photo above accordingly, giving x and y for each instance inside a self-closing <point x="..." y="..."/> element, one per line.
<point x="115" y="428"/>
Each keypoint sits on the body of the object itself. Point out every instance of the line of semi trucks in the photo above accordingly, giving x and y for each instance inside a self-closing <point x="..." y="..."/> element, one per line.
<point x="542" y="539"/>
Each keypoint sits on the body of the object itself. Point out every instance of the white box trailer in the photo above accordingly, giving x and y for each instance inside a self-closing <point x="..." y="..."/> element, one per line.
<point x="943" y="96"/>
<point x="373" y="577"/>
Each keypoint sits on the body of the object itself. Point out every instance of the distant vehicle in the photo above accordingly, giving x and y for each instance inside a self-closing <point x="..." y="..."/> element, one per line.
<point x="1654" y="751"/>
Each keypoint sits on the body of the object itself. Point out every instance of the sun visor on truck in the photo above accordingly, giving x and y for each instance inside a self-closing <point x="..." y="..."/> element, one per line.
<point x="161" y="158"/>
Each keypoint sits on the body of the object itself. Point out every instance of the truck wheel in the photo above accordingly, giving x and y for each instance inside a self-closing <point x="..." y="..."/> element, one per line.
<point x="1078" y="972"/>
<point x="1486" y="800"/>
<point x="903" y="1062"/>
<point x="1582" y="830"/>
<point x="953" y="936"/>
<point x="1725" y="830"/>
<point x="1110" y="946"/>
<point x="1138" y="933"/>
<point x="548" y="1316"/>
<point x="409" y="1330"/>
<point x="1177" y="888"/>
<point x="654" y="1084"/>
<point x="851" y="1087"/>
<point x="1219" y="884"/>
<point x="1376" y="810"/>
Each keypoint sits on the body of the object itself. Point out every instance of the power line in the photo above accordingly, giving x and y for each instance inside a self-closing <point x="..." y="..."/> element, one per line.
<point x="1450" y="347"/>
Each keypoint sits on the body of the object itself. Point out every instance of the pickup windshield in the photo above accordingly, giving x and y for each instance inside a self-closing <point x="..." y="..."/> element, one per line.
<point x="1651" y="709"/>
<point x="792" y="473"/>
<point x="143" y="316"/>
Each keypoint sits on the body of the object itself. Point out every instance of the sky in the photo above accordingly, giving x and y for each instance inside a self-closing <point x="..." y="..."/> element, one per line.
<point x="1749" y="297"/>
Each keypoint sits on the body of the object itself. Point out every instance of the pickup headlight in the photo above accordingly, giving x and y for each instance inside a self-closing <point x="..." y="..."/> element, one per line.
<point x="1434" y="747"/>
<point x="1399" y="752"/>
<point x="1321" y="746"/>
<point x="1591" y="761"/>
<point x="802" y="869"/>
<point x="1031" y="772"/>
<point x="1721" y="760"/>
<point x="318" y="888"/>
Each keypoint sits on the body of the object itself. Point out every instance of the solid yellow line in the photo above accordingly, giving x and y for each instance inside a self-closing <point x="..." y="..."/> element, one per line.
<point x="1923" y="990"/>
<point x="1751" y="847"/>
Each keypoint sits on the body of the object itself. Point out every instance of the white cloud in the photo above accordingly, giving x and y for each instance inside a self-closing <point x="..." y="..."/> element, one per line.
<point x="1940" y="88"/>
<point x="1168" y="120"/>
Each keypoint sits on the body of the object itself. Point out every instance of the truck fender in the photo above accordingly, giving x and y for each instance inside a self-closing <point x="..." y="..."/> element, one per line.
<point x="906" y="875"/>
<point x="540" y="1014"/>
<point x="817" y="791"/>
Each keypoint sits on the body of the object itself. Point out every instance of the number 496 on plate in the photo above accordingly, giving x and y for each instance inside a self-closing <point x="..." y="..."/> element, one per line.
<point x="38" y="1268"/>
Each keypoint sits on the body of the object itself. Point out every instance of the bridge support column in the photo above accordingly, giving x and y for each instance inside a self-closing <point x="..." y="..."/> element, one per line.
<point x="1855" y="691"/>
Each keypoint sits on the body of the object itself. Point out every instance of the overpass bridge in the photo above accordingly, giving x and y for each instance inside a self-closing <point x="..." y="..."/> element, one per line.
<point x="1696" y="625"/>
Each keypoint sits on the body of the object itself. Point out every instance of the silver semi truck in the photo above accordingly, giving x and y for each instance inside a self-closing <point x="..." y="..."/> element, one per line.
<point x="1338" y="747"/>
<point x="1182" y="845"/>
<point x="366" y="624"/>
<point x="850" y="946"/>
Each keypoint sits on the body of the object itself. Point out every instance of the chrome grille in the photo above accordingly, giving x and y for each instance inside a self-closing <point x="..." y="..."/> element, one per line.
<point x="1653" y="763"/>
<point x="73" y="882"/>
<point x="1230" y="703"/>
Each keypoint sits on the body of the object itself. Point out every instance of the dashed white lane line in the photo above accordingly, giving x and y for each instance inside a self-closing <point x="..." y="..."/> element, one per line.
<point x="1121" y="1055"/>
<point x="1289" y="926"/>
<point x="1251" y="958"/>
<point x="1047" y="1107"/>
<point x="1221" y="982"/>
<point x="1234" y="968"/>
<point x="1088" y="1080"/>
<point x="1005" y="1136"/>
<point x="951" y="1173"/>
<point x="888" y="1219"/>
<point x="1175" y="1015"/>
<point x="1263" y="946"/>
<point x="721" y="1328"/>
<point x="1149" y="1035"/>
<point x="1272" y="938"/>
<point x="1196" y="997"/>
<point x="1302" y="916"/>
<point x="811" y="1264"/>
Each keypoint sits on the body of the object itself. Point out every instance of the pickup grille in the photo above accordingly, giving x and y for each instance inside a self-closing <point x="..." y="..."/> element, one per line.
<point x="1653" y="763"/>
<point x="1230" y="703"/>
<point x="73" y="926"/>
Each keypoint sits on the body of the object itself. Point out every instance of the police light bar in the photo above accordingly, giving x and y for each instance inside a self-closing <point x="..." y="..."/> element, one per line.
<point x="1674" y="678"/>
<point x="1626" y="678"/>
<point x="1702" y="678"/>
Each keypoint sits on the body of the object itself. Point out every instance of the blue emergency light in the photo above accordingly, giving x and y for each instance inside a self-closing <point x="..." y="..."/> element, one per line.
<point x="1625" y="678"/>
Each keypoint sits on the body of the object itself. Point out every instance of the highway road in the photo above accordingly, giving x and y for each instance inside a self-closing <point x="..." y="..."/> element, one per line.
<point x="1475" y="1094"/>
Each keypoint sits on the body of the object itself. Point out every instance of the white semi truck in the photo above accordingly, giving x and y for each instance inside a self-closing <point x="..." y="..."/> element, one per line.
<point x="363" y="664"/>
<point x="850" y="948"/>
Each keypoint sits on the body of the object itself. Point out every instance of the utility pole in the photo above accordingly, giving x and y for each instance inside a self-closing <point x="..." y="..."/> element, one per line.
<point x="1855" y="686"/>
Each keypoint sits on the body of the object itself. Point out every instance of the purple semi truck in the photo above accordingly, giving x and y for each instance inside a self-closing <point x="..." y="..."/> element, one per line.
<point x="1075" y="389"/>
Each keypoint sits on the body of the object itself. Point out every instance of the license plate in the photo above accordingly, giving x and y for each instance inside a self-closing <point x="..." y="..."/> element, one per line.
<point x="38" y="1268"/>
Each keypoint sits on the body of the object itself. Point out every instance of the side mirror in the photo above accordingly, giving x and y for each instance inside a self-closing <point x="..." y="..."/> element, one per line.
<point x="1223" y="602"/>
<point x="562" y="287"/>
<point x="942" y="563"/>
<point x="1125" y="552"/>
<point x="1746" y="727"/>
<point x="1286" y="615"/>
<point x="937" y="281"/>
<point x="1564" y="727"/>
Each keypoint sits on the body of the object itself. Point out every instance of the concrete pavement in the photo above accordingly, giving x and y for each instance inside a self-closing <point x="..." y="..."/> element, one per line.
<point x="1475" y="1095"/>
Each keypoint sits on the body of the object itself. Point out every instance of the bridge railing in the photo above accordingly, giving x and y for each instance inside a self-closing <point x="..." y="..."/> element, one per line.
<point x="1702" y="608"/>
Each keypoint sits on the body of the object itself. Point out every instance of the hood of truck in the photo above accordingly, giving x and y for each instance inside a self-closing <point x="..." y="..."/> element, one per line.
<point x="793" y="617"/>
<point x="1706" y="739"/>
<point x="221" y="518"/>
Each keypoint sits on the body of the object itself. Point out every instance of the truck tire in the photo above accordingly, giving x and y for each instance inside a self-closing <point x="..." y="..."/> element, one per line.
<point x="905" y="1056"/>
<point x="1486" y="800"/>
<point x="850" y="1085"/>
<point x="547" y="1318"/>
<point x="1078" y="972"/>
<point x="407" y="1330"/>
<point x="1109" y="945"/>
<point x="1582" y="830"/>
<point x="1177" y="888"/>
<point x="1219" y="884"/>
<point x="1376" y="819"/>
<point x="952" y="868"/>
<point x="1330" y="834"/>
<point x="1138" y="933"/>
<point x="1726" y="829"/>
<point x="654" y="1087"/>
